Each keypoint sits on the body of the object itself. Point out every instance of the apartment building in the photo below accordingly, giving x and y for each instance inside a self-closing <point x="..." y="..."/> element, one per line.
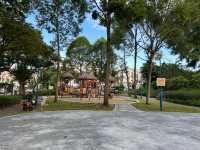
<point x="121" y="78"/>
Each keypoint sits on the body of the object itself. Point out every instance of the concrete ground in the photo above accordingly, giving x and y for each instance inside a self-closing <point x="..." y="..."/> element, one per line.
<point x="90" y="130"/>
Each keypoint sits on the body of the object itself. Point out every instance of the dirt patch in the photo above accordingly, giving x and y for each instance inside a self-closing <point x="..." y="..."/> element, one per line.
<point x="11" y="110"/>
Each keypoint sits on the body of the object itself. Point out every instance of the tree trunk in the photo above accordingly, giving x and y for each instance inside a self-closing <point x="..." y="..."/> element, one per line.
<point x="127" y="79"/>
<point x="135" y="64"/>
<point x="126" y="72"/>
<point x="149" y="81"/>
<point x="135" y="74"/>
<point x="57" y="82"/>
<point x="108" y="61"/>
<point x="80" y="69"/>
<point x="121" y="77"/>
<point x="58" y="61"/>
<point x="22" y="88"/>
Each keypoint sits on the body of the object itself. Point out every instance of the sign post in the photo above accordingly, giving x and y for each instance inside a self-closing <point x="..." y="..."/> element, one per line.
<point x="161" y="83"/>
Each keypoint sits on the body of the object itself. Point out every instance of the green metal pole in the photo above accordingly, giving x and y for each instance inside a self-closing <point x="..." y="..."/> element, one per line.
<point x="161" y="99"/>
<point x="161" y="90"/>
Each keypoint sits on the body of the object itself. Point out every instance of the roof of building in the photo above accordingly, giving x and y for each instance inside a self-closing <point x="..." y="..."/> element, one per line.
<point x="67" y="75"/>
<point x="87" y="77"/>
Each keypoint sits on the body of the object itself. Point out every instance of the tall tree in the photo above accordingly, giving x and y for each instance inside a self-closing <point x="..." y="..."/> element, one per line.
<point x="133" y="39"/>
<point x="103" y="12"/>
<point x="126" y="69"/>
<point x="98" y="58"/>
<point x="125" y="52"/>
<point x="25" y="57"/>
<point x="155" y="31"/>
<point x="135" y="59"/>
<point x="77" y="55"/>
<point x="180" y="34"/>
<point x="108" y="12"/>
<point x="62" y="19"/>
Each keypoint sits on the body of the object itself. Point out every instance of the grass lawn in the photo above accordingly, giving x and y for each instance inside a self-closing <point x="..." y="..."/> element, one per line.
<point x="167" y="107"/>
<point x="63" y="105"/>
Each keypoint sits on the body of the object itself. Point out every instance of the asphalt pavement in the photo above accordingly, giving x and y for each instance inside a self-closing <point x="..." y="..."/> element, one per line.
<point x="100" y="130"/>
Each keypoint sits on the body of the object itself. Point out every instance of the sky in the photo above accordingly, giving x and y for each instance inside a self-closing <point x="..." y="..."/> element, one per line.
<point x="92" y="31"/>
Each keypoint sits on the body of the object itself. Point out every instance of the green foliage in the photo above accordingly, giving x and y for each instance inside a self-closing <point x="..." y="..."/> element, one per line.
<point x="165" y="70"/>
<point x="180" y="82"/>
<point x="22" y="48"/>
<point x="184" y="39"/>
<point x="145" y="70"/>
<point x="126" y="15"/>
<point x="112" y="14"/>
<point x="124" y="11"/>
<point x="28" y="55"/>
<point x="194" y="81"/>
<point x="154" y="90"/>
<point x="177" y="83"/>
<point x="120" y="89"/>
<point x="14" y="9"/>
<point x="78" y="54"/>
<point x="48" y="77"/>
<point x="22" y="73"/>
<point x="9" y="100"/>
<point x="184" y="96"/>
<point x="13" y="50"/>
<point x="46" y="93"/>
<point x="98" y="58"/>
<point x="61" y="18"/>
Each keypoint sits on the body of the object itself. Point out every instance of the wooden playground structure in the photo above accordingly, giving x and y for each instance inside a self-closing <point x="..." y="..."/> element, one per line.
<point x="65" y="83"/>
<point x="89" y="86"/>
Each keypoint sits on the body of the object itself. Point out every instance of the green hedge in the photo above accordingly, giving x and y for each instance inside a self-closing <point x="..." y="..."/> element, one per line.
<point x="180" y="82"/>
<point x="184" y="96"/>
<point x="9" y="100"/>
<point x="47" y="93"/>
<point x="143" y="91"/>
<point x="119" y="89"/>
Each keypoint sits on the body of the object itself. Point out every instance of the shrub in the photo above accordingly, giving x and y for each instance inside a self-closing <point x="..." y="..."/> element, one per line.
<point x="119" y="89"/>
<point x="46" y="92"/>
<point x="184" y="96"/>
<point x="9" y="100"/>
<point x="181" y="82"/>
<point x="194" y="82"/>
<point x="177" y="83"/>
<point x="143" y="91"/>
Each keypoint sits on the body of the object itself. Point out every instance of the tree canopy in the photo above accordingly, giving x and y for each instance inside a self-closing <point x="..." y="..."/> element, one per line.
<point x="62" y="18"/>
<point x="184" y="40"/>
<point x="24" y="58"/>
<point x="77" y="55"/>
<point x="14" y="9"/>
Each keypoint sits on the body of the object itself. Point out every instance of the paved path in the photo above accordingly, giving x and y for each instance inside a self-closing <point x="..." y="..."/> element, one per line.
<point x="125" y="107"/>
<point x="90" y="130"/>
